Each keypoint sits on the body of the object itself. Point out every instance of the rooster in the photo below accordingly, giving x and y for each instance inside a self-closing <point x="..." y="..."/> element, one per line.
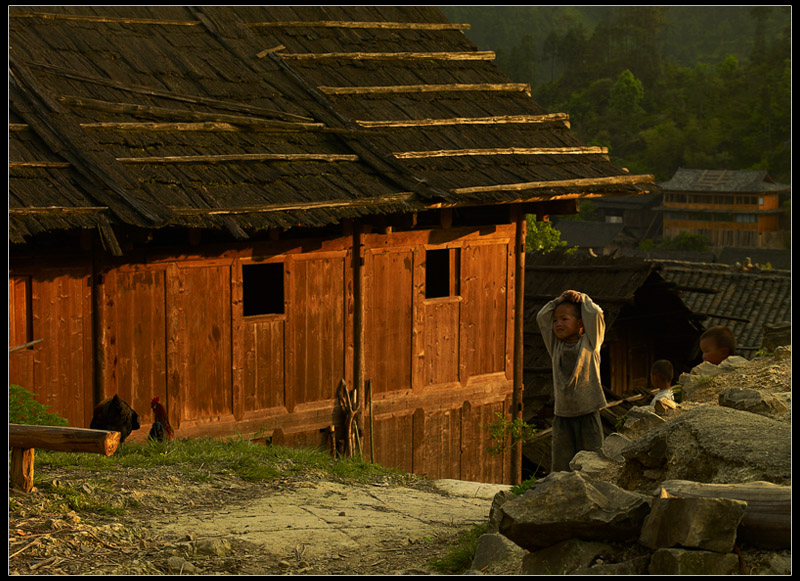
<point x="161" y="426"/>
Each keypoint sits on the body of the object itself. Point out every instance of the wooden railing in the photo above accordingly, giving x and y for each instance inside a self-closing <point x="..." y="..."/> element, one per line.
<point x="24" y="439"/>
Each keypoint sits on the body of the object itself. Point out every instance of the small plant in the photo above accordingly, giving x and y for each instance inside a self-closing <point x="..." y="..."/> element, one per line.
<point x="459" y="557"/>
<point x="523" y="486"/>
<point x="620" y="422"/>
<point x="24" y="409"/>
<point x="505" y="433"/>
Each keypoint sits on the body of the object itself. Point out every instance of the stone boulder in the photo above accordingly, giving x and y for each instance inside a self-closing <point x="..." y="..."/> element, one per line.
<point x="690" y="562"/>
<point x="710" y="444"/>
<point x="567" y="505"/>
<point x="752" y="400"/>
<point x="701" y="523"/>
<point x="564" y="558"/>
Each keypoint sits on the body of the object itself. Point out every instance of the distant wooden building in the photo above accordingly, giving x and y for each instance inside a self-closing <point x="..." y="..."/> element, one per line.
<point x="730" y="208"/>
<point x="236" y="209"/>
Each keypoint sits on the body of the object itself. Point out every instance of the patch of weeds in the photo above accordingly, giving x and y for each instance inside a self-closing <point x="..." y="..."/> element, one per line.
<point x="459" y="558"/>
<point x="24" y="409"/>
<point x="71" y="498"/>
<point x="506" y="433"/>
<point x="523" y="486"/>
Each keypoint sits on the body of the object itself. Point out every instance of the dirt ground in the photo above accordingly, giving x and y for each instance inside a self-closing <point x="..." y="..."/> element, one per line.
<point x="303" y="525"/>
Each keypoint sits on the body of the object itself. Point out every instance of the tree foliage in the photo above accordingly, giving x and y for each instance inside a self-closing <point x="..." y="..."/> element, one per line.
<point x="662" y="87"/>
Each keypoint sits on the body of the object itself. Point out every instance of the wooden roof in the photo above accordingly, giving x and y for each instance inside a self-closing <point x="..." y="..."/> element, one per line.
<point x="742" y="300"/>
<point x="258" y="117"/>
<point x="707" y="180"/>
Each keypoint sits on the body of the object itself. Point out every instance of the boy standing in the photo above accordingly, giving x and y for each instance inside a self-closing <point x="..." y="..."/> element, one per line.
<point x="573" y="328"/>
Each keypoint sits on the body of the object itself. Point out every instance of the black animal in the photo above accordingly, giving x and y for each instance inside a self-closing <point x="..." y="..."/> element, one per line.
<point x="115" y="415"/>
<point x="156" y="432"/>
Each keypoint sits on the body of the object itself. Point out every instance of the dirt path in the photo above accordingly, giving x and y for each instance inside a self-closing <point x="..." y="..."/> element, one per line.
<point x="308" y="525"/>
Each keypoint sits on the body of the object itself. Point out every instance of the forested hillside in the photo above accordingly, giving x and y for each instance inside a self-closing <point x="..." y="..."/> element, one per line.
<point x="663" y="87"/>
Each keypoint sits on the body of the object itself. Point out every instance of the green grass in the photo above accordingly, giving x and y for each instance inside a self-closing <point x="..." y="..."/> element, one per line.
<point x="199" y="458"/>
<point x="459" y="558"/>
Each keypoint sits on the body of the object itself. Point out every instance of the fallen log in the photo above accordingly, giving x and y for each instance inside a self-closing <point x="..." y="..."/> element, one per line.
<point x="767" y="521"/>
<point x="23" y="439"/>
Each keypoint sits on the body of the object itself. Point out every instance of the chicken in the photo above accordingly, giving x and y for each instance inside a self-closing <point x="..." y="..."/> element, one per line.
<point x="160" y="414"/>
<point x="156" y="432"/>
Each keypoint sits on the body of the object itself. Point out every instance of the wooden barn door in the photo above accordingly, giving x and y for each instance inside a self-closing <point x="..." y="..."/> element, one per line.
<point x="388" y="319"/>
<point x="199" y="341"/>
<point x="316" y="332"/>
<point x="133" y="338"/>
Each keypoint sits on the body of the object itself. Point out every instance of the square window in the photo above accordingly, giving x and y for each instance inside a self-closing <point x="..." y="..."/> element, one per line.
<point x="442" y="273"/>
<point x="262" y="289"/>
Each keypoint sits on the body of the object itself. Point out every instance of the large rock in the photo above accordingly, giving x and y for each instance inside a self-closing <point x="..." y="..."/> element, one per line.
<point x="702" y="523"/>
<point x="568" y="505"/>
<point x="710" y="444"/>
<point x="752" y="400"/>
<point x="496" y="554"/>
<point x="689" y="562"/>
<point x="563" y="558"/>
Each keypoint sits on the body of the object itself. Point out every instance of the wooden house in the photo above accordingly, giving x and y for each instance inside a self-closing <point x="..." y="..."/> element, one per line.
<point x="745" y="298"/>
<point x="730" y="208"/>
<point x="237" y="209"/>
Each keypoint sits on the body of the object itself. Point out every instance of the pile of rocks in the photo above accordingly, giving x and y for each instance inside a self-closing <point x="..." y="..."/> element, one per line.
<point x="690" y="488"/>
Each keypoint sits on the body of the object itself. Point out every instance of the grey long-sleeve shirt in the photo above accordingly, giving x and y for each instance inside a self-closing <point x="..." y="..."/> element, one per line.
<point x="576" y="366"/>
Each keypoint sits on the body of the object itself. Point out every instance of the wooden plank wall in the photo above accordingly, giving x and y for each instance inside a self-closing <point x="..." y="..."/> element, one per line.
<point x="54" y="306"/>
<point x="173" y="327"/>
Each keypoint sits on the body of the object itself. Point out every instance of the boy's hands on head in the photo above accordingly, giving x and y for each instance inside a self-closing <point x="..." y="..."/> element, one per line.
<point x="571" y="296"/>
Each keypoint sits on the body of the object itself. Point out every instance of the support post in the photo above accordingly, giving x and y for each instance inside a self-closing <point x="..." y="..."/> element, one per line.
<point x="519" y="327"/>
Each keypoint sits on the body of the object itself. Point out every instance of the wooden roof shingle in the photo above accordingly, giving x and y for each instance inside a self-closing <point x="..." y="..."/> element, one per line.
<point x="259" y="117"/>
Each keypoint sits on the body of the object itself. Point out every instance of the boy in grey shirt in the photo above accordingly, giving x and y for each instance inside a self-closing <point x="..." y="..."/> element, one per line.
<point x="573" y="328"/>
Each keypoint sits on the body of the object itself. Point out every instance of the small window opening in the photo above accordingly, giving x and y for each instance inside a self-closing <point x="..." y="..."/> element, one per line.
<point x="262" y="289"/>
<point x="442" y="273"/>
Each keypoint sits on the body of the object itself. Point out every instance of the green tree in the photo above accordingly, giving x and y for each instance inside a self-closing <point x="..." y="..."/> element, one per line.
<point x="541" y="236"/>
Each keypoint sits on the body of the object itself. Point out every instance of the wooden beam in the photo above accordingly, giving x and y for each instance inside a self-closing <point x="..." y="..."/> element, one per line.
<point x="485" y="55"/>
<point x="455" y="87"/>
<point x="503" y="151"/>
<point x="401" y="198"/>
<point x="36" y="211"/>
<point x="495" y="120"/>
<point x="243" y="157"/>
<point x="63" y="439"/>
<point x="184" y="114"/>
<point x="103" y="19"/>
<point x="571" y="183"/>
<point x="519" y="334"/>
<point x="351" y="24"/>
<point x="39" y="164"/>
